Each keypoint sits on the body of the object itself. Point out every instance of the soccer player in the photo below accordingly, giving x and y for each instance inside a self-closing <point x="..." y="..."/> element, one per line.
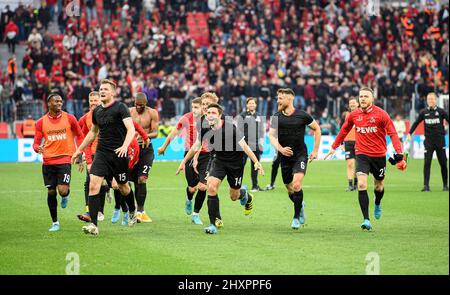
<point x="433" y="117"/>
<point x="147" y="118"/>
<point x="133" y="154"/>
<point x="349" y="147"/>
<point x="287" y="135"/>
<point x="112" y="122"/>
<point x="85" y="123"/>
<point x="195" y="180"/>
<point x="58" y="129"/>
<point x="223" y="138"/>
<point x="251" y="125"/>
<point x="372" y="124"/>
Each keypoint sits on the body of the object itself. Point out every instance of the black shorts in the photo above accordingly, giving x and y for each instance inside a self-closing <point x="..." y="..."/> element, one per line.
<point x="374" y="165"/>
<point x="56" y="174"/>
<point x="193" y="178"/>
<point x="108" y="164"/>
<point x="144" y="164"/>
<point x="349" y="149"/>
<point x="232" y="170"/>
<point x="293" y="165"/>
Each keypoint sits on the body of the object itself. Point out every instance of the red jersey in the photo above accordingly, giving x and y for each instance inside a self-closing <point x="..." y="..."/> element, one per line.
<point x="85" y="123"/>
<point x="188" y="124"/>
<point x="372" y="126"/>
<point x="58" y="133"/>
<point x="133" y="153"/>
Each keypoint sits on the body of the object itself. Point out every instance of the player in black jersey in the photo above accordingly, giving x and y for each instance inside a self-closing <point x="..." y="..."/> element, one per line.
<point x="113" y="123"/>
<point x="433" y="117"/>
<point x="286" y="134"/>
<point x="229" y="146"/>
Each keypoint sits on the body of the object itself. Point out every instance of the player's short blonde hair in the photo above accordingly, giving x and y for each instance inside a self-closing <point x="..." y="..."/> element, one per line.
<point x="197" y="100"/>
<point x="110" y="82"/>
<point x="94" y="93"/>
<point x="210" y="95"/>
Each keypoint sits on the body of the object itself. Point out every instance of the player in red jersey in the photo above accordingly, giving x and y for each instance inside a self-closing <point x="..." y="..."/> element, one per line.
<point x="54" y="139"/>
<point x="372" y="125"/>
<point x="195" y="179"/>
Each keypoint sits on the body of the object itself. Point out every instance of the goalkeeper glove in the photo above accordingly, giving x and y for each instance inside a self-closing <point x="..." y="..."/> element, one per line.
<point x="396" y="158"/>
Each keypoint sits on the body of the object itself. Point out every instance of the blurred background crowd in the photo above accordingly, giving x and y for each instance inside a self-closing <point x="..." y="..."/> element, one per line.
<point x="173" y="50"/>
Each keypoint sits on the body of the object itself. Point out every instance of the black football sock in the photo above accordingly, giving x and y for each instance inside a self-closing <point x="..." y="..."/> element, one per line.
<point x="291" y="196"/>
<point x="130" y="201"/>
<point x="350" y="182"/>
<point x="189" y="195"/>
<point x="213" y="208"/>
<point x="378" y="196"/>
<point x="355" y="182"/>
<point x="52" y="203"/>
<point x="102" y="195"/>
<point x="298" y="200"/>
<point x="117" y="199"/>
<point x="141" y="194"/>
<point x="218" y="208"/>
<point x="273" y="175"/>
<point x="86" y="191"/>
<point x="94" y="205"/>
<point x="199" y="200"/>
<point x="249" y="199"/>
<point x="364" y="203"/>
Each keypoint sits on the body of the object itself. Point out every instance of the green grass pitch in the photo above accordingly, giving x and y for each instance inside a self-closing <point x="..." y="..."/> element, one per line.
<point x="412" y="236"/>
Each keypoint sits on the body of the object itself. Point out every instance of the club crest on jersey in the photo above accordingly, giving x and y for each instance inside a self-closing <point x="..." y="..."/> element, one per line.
<point x="372" y="120"/>
<point x="436" y="114"/>
<point x="363" y="130"/>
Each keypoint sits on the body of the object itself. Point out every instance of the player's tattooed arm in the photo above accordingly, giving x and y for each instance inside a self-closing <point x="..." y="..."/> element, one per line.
<point x="154" y="124"/>
<point x="317" y="135"/>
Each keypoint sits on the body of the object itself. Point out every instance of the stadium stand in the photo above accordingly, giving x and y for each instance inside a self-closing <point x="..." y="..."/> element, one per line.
<point x="174" y="50"/>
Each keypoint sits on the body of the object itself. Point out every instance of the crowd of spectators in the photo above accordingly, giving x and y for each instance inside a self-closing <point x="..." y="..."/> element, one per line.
<point x="324" y="50"/>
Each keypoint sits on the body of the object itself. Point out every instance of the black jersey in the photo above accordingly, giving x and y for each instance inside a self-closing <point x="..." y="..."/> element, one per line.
<point x="112" y="130"/>
<point x="291" y="130"/>
<point x="434" y="122"/>
<point x="223" y="142"/>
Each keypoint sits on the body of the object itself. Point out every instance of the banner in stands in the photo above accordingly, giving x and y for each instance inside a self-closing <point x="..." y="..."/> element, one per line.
<point x="21" y="150"/>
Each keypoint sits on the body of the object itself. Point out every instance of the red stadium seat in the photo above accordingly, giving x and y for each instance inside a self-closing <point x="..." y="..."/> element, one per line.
<point x="4" y="130"/>
<point x="18" y="126"/>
